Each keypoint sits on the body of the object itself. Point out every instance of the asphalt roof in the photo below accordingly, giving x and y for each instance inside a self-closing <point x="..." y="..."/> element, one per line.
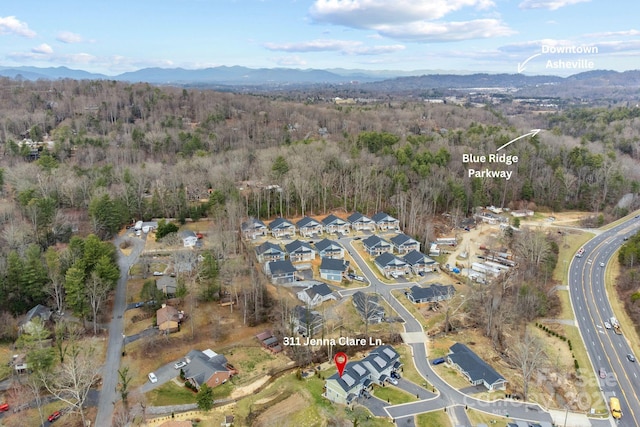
<point x="358" y="217"/>
<point x="402" y="239"/>
<point x="432" y="292"/>
<point x="281" y="267"/>
<point x="334" y="264"/>
<point x="268" y="247"/>
<point x="373" y="241"/>
<point x="326" y="244"/>
<point x="416" y="257"/>
<point x="387" y="259"/>
<point x="307" y="222"/>
<point x="383" y="217"/>
<point x="280" y="222"/>
<point x="297" y="245"/>
<point x="321" y="289"/>
<point x="473" y="365"/>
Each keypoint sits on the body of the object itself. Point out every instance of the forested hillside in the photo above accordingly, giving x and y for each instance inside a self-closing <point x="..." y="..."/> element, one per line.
<point x="104" y="153"/>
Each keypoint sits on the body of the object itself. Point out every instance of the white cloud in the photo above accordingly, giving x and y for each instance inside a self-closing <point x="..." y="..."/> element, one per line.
<point x="627" y="33"/>
<point x="11" y="25"/>
<point x="549" y="4"/>
<point x="43" y="49"/>
<point x="446" y="31"/>
<point x="414" y="20"/>
<point x="368" y="13"/>
<point x="290" y="61"/>
<point x="329" y="45"/>
<point x="69" y="37"/>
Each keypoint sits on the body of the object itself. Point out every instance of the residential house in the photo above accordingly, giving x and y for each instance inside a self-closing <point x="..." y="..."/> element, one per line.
<point x="207" y="367"/>
<point x="381" y="362"/>
<point x="419" y="262"/>
<point x="308" y="227"/>
<point x="358" y="377"/>
<point x="316" y="294"/>
<point x="432" y="293"/>
<point x="40" y="312"/>
<point x="329" y="249"/>
<point x="19" y="363"/>
<point x="521" y="213"/>
<point x="281" y="272"/>
<point x="305" y="321"/>
<point x="300" y="251"/>
<point x="375" y="245"/>
<point x="189" y="238"/>
<point x="167" y="284"/>
<point x="368" y="306"/>
<point x="354" y="382"/>
<point x="269" y="251"/>
<point x="391" y="265"/>
<point x="168" y="319"/>
<point x="404" y="244"/>
<point x="360" y="222"/>
<point x="385" y="222"/>
<point x="334" y="224"/>
<point x="333" y="269"/>
<point x="476" y="370"/>
<point x="281" y="227"/>
<point x="253" y="228"/>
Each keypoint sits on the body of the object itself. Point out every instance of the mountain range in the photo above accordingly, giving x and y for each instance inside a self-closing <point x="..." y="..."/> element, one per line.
<point x="392" y="81"/>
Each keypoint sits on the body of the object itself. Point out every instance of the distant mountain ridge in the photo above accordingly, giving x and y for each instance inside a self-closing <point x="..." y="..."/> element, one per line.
<point x="376" y="79"/>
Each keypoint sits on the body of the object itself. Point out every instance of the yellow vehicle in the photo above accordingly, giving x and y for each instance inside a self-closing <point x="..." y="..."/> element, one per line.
<point x="614" y="404"/>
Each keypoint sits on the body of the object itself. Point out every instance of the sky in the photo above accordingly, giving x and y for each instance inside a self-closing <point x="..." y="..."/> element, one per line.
<point x="496" y="36"/>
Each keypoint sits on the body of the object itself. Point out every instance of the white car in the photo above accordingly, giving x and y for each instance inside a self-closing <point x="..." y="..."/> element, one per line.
<point x="602" y="264"/>
<point x="153" y="378"/>
<point x="180" y="364"/>
<point x="607" y="325"/>
<point x="393" y="381"/>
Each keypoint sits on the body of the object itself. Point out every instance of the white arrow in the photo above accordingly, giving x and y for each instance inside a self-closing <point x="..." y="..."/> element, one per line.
<point x="533" y="132"/>
<point x="521" y="66"/>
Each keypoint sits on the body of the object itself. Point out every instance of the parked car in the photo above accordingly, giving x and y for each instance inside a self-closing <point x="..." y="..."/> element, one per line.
<point x="395" y="375"/>
<point x="603" y="373"/>
<point x="139" y="304"/>
<point x="180" y="364"/>
<point x="392" y="381"/>
<point x="54" y="416"/>
<point x="153" y="378"/>
<point x="438" y="361"/>
<point x="4" y="407"/>
<point x="631" y="357"/>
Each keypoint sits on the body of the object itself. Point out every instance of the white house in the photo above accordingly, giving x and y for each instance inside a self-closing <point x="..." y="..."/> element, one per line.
<point x="189" y="238"/>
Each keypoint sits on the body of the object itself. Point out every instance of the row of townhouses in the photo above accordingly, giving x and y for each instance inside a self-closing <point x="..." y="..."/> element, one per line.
<point x="309" y="227"/>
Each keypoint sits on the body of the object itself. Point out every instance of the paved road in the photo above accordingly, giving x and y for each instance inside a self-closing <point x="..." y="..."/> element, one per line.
<point x="448" y="396"/>
<point x="108" y="394"/>
<point x="590" y="302"/>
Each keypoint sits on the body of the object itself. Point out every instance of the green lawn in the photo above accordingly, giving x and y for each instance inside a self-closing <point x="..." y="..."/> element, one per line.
<point x="171" y="394"/>
<point x="437" y="418"/>
<point x="393" y="395"/>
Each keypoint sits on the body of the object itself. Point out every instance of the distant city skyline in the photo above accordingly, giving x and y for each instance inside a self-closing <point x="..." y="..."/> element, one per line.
<point x="560" y="37"/>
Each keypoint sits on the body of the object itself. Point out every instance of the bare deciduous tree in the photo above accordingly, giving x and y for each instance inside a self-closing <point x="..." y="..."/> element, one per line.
<point x="527" y="354"/>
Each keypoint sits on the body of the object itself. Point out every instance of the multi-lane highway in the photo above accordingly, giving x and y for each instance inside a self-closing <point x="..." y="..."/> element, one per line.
<point x="607" y="350"/>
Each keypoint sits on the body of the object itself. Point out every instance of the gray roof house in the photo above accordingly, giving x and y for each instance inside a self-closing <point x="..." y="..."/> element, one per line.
<point x="361" y="222"/>
<point x="281" y="227"/>
<point x="334" y="224"/>
<point x="354" y="382"/>
<point x="419" y="262"/>
<point x="329" y="249"/>
<point x="358" y="377"/>
<point x="385" y="222"/>
<point x="368" y="307"/>
<point x="167" y="284"/>
<point x="39" y="311"/>
<point x="391" y="265"/>
<point x="207" y="367"/>
<point x="476" y="370"/>
<point x="269" y="251"/>
<point x="189" y="238"/>
<point x="375" y="245"/>
<point x="300" y="251"/>
<point x="333" y="269"/>
<point x="305" y="321"/>
<point x="253" y="228"/>
<point x="308" y="227"/>
<point x="404" y="244"/>
<point x="381" y="362"/>
<point x="281" y="272"/>
<point x="432" y="293"/>
<point x="316" y="294"/>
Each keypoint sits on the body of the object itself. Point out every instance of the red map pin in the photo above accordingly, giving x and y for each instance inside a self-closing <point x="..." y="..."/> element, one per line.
<point x="341" y="362"/>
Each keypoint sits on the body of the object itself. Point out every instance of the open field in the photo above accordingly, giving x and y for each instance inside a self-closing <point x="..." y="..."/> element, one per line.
<point x="433" y="419"/>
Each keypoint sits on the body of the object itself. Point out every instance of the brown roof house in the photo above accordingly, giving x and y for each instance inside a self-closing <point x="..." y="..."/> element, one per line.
<point x="168" y="319"/>
<point x="207" y="367"/>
